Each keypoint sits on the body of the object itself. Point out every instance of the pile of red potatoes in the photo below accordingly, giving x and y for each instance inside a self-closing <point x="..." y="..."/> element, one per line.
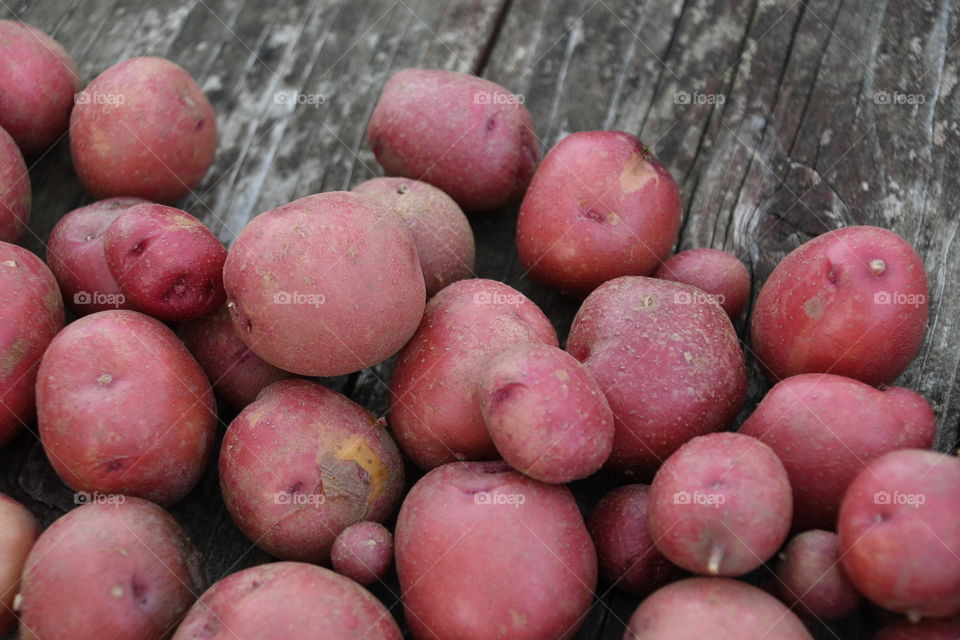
<point x="830" y="483"/>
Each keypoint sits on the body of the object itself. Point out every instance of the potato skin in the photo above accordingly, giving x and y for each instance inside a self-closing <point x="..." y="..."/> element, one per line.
<point x="482" y="151"/>
<point x="439" y="228"/>
<point x="600" y="206"/>
<point x="37" y="83"/>
<point x="142" y="128"/>
<point x="633" y="326"/>
<point x="628" y="558"/>
<point x="31" y="313"/>
<point x="923" y="630"/>
<point x="123" y="571"/>
<point x="76" y="257"/>
<point x="289" y="600"/>
<point x="326" y="285"/>
<point x="811" y="580"/>
<point x="852" y="302"/>
<point x="716" y="272"/>
<point x="302" y="463"/>
<point x="720" y="505"/>
<point x="18" y="531"/>
<point x="486" y="553"/>
<point x="899" y="530"/>
<point x="434" y="392"/>
<point x="15" y="195"/>
<point x="166" y="262"/>
<point x="815" y="424"/>
<point x="123" y="408"/>
<point x="715" y="608"/>
<point x="363" y="552"/>
<point x="546" y="415"/>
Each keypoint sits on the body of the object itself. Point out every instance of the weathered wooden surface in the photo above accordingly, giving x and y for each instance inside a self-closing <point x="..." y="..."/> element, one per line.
<point x="780" y="119"/>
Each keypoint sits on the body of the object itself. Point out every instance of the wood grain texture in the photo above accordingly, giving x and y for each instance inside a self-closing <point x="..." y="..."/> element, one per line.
<point x="780" y="119"/>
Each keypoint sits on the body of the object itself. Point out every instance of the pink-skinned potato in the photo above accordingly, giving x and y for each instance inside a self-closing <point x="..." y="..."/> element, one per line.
<point x="38" y="80"/>
<point x="301" y="464"/>
<point x="922" y="630"/>
<point x="289" y="600"/>
<point x="435" y="390"/>
<point x="238" y="374"/>
<point x="467" y="136"/>
<point x="815" y="424"/>
<point x="899" y="527"/>
<point x="852" y="302"/>
<point x="599" y="207"/>
<point x="76" y="257"/>
<point x="123" y="408"/>
<point x="811" y="580"/>
<point x="123" y="570"/>
<point x="327" y="285"/>
<point x="628" y="557"/>
<point x="715" y="608"/>
<point x="166" y="262"/>
<point x="142" y="128"/>
<point x="717" y="273"/>
<point x="486" y="553"/>
<point x="15" y="195"/>
<point x="546" y="415"/>
<point x="720" y="505"/>
<point x="669" y="363"/>
<point x="19" y="530"/>
<point x="363" y="552"/>
<point x="31" y="314"/>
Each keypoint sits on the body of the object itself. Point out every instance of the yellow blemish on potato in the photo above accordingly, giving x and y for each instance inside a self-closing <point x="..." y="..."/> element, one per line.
<point x="11" y="263"/>
<point x="519" y="619"/>
<point x="357" y="450"/>
<point x="184" y="222"/>
<point x="561" y="375"/>
<point x="116" y="591"/>
<point x="13" y="356"/>
<point x="636" y="173"/>
<point x="814" y="306"/>
<point x="105" y="379"/>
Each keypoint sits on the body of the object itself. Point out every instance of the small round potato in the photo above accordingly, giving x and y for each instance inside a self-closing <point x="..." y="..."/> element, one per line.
<point x="18" y="531"/>
<point x="15" y="196"/>
<point x="718" y="273"/>
<point x="811" y="580"/>
<point x="363" y="552"/>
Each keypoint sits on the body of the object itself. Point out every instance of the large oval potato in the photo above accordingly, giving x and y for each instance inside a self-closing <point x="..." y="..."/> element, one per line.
<point x="15" y="195"/>
<point x="18" y="532"/>
<point x="486" y="553"/>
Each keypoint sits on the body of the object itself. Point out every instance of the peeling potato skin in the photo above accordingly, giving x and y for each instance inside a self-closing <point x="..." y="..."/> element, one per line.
<point x="146" y="131"/>
<point x="482" y="151"/>
<point x="15" y="194"/>
<point x="717" y="272"/>
<point x="31" y="314"/>
<point x="822" y="309"/>
<point x="123" y="407"/>
<point x="434" y="392"/>
<point x="600" y="206"/>
<point x="19" y="530"/>
<point x="301" y="463"/>
<point x="357" y="261"/>
<point x="476" y="562"/>
<point x="38" y="81"/>
<point x="671" y="370"/>
<point x="122" y="571"/>
<point x="289" y="600"/>
<point x="166" y="262"/>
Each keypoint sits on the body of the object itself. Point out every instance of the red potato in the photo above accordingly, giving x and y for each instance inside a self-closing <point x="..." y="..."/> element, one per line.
<point x="481" y="150"/>
<point x="15" y="196"/>
<point x="720" y="505"/>
<point x="546" y="415"/>
<point x="717" y="273"/>
<point x="669" y="364"/>
<point x="301" y="464"/>
<point x="628" y="558"/>
<point x="142" y="128"/>
<point x="123" y="570"/>
<point x="327" y="285"/>
<point x="166" y="262"/>
<point x="811" y="580"/>
<point x="38" y="80"/>
<point x="923" y="630"/>
<point x="288" y="600"/>
<point x="715" y="608"/>
<point x="434" y="393"/>
<point x="18" y="532"/>
<point x="76" y="258"/>
<point x="363" y="552"/>
<point x="31" y="314"/>
<point x="440" y="231"/>
<point x="486" y="553"/>
<point x="238" y="375"/>
<point x="123" y="408"/>
<point x="600" y="206"/>
<point x="852" y="302"/>
<point x="815" y="423"/>
<point x="899" y="529"/>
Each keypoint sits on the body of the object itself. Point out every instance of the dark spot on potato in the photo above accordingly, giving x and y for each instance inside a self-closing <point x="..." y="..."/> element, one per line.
<point x="113" y="465"/>
<point x="295" y="487"/>
<point x="506" y="392"/>
<point x="255" y="584"/>
<point x="139" y="590"/>
<point x="139" y="248"/>
<point x="491" y="122"/>
<point x="592" y="214"/>
<point x="199" y="125"/>
<point x="210" y="628"/>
